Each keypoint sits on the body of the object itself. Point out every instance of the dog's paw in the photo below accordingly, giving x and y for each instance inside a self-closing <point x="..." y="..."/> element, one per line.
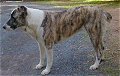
<point x="93" y="67"/>
<point x="46" y="71"/>
<point x="39" y="66"/>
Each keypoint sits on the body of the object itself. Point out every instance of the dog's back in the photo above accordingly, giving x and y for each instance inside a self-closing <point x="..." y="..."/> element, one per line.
<point x="63" y="24"/>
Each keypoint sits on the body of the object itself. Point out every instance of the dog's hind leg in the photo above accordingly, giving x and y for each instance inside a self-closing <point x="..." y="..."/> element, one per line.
<point x="94" y="32"/>
<point x="101" y="47"/>
<point x="97" y="53"/>
<point x="49" y="54"/>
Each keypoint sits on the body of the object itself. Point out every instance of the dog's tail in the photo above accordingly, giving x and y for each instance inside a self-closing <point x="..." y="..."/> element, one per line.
<point x="108" y="16"/>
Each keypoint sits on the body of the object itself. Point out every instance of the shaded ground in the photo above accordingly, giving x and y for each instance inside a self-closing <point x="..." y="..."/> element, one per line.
<point x="19" y="53"/>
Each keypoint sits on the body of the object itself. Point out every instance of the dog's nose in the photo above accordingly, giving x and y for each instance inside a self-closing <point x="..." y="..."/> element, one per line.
<point x="4" y="27"/>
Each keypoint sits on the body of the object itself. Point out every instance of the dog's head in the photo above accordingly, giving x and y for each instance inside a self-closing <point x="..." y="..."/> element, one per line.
<point x="17" y="19"/>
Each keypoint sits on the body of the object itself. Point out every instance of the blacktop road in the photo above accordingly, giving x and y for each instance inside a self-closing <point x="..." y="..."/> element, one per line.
<point x="19" y="52"/>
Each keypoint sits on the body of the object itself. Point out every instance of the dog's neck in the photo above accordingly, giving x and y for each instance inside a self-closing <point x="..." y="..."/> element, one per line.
<point x="34" y="20"/>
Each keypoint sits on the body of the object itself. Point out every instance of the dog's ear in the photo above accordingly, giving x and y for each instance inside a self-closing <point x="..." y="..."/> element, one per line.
<point x="23" y="10"/>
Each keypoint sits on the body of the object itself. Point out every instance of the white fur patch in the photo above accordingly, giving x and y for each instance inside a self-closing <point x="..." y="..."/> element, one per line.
<point x="34" y="19"/>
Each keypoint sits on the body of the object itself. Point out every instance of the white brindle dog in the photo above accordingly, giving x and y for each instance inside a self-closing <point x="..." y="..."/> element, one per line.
<point x="48" y="28"/>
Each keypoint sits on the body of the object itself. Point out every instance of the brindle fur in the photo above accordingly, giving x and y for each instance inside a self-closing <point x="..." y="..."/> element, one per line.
<point x="64" y="24"/>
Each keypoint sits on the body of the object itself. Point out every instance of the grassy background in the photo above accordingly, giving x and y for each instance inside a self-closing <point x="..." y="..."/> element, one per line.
<point x="74" y="3"/>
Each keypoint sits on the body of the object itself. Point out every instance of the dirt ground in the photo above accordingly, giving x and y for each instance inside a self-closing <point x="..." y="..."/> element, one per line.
<point x="112" y="42"/>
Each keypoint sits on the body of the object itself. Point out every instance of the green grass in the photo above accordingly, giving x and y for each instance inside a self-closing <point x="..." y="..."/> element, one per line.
<point x="110" y="71"/>
<point x="70" y="4"/>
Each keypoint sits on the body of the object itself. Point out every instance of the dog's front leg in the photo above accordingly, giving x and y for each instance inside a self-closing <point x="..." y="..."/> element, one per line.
<point x="49" y="54"/>
<point x="42" y="50"/>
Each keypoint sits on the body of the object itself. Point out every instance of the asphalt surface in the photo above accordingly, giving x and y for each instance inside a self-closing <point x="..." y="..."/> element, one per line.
<point x="19" y="52"/>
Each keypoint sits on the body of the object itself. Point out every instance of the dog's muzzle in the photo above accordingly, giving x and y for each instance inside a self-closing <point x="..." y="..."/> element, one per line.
<point x="6" y="27"/>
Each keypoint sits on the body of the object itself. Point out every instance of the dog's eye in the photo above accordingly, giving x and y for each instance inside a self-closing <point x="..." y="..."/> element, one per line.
<point x="14" y="18"/>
